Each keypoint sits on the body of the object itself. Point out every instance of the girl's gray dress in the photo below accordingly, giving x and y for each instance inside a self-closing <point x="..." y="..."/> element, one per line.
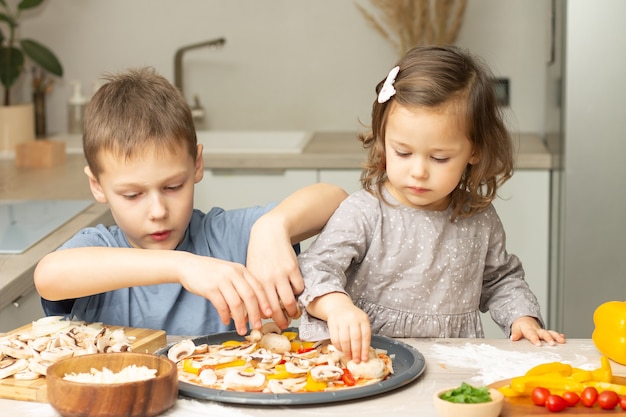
<point x="414" y="272"/>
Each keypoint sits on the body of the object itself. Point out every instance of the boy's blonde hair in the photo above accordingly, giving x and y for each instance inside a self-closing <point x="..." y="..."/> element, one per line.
<point x="134" y="111"/>
<point x="434" y="76"/>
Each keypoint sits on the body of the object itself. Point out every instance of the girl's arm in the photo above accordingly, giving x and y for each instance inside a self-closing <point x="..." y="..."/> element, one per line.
<point x="271" y="258"/>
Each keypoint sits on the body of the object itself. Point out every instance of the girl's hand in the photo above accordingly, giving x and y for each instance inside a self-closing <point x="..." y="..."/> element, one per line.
<point x="232" y="289"/>
<point x="272" y="261"/>
<point x="528" y="328"/>
<point x="350" y="331"/>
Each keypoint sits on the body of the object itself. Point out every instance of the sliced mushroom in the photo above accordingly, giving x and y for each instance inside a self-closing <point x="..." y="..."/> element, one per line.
<point x="372" y="369"/>
<point x="181" y="350"/>
<point x="326" y="373"/>
<point x="57" y="354"/>
<point x="270" y="327"/>
<point x="208" y="376"/>
<point x="249" y="381"/>
<point x="240" y="350"/>
<point x="298" y="366"/>
<point x="26" y="375"/>
<point x="10" y="367"/>
<point x="40" y="366"/>
<point x="276" y="343"/>
<point x="264" y="358"/>
<point x="17" y="349"/>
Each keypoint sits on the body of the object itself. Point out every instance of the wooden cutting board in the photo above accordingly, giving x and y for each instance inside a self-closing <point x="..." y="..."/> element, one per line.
<point x="523" y="406"/>
<point x="146" y="341"/>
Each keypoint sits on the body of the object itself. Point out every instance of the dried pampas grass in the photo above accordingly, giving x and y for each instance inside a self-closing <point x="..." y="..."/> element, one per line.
<point x="407" y="23"/>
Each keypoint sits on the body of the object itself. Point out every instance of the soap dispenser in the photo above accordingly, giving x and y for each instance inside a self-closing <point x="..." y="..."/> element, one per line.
<point x="76" y="109"/>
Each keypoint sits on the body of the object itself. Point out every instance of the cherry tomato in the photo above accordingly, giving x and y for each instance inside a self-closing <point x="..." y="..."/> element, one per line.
<point x="571" y="398"/>
<point x="608" y="400"/>
<point x="539" y="396"/>
<point x="589" y="396"/>
<point x="622" y="402"/>
<point x="555" y="403"/>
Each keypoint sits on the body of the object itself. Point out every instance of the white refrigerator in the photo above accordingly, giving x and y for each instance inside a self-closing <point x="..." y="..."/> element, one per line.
<point x="586" y="127"/>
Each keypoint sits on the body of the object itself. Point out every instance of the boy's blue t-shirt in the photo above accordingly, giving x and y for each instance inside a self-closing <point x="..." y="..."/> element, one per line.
<point x="221" y="234"/>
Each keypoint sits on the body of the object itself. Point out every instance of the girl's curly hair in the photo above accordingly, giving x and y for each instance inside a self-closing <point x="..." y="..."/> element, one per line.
<point x="433" y="76"/>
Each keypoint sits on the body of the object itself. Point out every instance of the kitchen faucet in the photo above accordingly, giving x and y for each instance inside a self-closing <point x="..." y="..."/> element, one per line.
<point x="197" y="111"/>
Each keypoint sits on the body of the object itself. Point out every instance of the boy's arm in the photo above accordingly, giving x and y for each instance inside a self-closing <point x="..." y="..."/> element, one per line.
<point x="271" y="258"/>
<point x="79" y="272"/>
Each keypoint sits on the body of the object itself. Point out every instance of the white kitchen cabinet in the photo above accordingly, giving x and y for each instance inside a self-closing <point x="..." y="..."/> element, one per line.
<point x="231" y="188"/>
<point x="23" y="310"/>
<point x="524" y="207"/>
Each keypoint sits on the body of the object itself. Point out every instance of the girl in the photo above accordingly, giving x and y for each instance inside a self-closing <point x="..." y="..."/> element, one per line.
<point x="420" y="251"/>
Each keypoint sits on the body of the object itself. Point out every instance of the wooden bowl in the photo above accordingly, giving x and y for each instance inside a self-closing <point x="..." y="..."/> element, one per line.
<point x="489" y="409"/>
<point x="140" y="398"/>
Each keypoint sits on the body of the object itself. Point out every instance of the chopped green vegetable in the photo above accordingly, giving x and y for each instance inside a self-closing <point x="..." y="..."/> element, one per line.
<point x="467" y="394"/>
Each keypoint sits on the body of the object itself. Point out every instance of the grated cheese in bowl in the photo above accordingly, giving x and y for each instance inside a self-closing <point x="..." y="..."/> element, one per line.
<point x="131" y="373"/>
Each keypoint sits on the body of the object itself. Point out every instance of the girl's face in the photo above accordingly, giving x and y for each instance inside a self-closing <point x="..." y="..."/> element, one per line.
<point x="427" y="151"/>
<point x="150" y="195"/>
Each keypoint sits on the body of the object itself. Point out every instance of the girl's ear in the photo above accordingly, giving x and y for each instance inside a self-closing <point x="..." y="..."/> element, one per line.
<point x="474" y="158"/>
<point x="199" y="168"/>
<point x="94" y="185"/>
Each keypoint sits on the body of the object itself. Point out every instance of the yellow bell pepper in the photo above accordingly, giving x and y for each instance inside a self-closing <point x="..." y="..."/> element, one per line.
<point x="280" y="372"/>
<point x="560" y="368"/>
<point x="609" y="334"/>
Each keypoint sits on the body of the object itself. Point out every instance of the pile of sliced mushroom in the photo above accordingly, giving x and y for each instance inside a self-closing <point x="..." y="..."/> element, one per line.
<point x="271" y="361"/>
<point x="26" y="355"/>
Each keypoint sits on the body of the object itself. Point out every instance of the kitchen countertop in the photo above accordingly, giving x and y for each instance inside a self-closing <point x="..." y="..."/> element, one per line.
<point x="326" y="150"/>
<point x="448" y="363"/>
<point x="338" y="150"/>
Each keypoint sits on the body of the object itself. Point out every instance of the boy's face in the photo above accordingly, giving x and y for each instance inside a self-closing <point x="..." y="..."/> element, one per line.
<point x="150" y="194"/>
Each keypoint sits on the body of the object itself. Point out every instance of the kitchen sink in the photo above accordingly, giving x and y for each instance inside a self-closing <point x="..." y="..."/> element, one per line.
<point x="252" y="141"/>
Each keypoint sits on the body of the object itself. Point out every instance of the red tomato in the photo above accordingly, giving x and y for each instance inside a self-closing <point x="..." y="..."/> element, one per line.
<point x="589" y="396"/>
<point x="622" y="402"/>
<point x="539" y="396"/>
<point x="571" y="398"/>
<point x="555" y="403"/>
<point x="608" y="400"/>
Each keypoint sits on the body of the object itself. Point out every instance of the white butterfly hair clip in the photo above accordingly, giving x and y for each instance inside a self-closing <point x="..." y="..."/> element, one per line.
<point x="387" y="91"/>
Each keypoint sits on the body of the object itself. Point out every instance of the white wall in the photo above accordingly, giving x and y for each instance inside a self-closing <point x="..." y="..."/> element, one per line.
<point x="287" y="64"/>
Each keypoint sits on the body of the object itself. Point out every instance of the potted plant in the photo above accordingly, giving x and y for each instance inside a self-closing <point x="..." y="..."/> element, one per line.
<point x="13" y="53"/>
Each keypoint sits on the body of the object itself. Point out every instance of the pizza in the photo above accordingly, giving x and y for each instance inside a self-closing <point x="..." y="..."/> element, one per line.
<point x="274" y="361"/>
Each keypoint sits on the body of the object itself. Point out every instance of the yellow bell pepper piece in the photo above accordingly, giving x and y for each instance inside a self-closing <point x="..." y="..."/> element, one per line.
<point x="280" y="372"/>
<point x="609" y="334"/>
<point x="552" y="381"/>
<point x="607" y="386"/>
<point x="232" y="343"/>
<point x="560" y="368"/>
<point x="290" y="335"/>
<point x="314" y="386"/>
<point x="581" y="375"/>
<point x="507" y="391"/>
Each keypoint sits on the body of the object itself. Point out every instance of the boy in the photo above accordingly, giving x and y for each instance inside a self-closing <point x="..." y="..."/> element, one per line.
<point x="189" y="278"/>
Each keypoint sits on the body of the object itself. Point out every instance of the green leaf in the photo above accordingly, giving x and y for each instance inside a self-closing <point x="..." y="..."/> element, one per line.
<point x="29" y="4"/>
<point x="467" y="394"/>
<point x="11" y="65"/>
<point x="8" y="19"/>
<point x="2" y="2"/>
<point x="42" y="56"/>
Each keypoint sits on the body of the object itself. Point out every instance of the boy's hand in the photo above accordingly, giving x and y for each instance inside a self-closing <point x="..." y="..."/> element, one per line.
<point x="232" y="289"/>
<point x="528" y="328"/>
<point x="273" y="262"/>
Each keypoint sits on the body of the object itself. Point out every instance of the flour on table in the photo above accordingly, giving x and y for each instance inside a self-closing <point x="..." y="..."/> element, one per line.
<point x="495" y="364"/>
